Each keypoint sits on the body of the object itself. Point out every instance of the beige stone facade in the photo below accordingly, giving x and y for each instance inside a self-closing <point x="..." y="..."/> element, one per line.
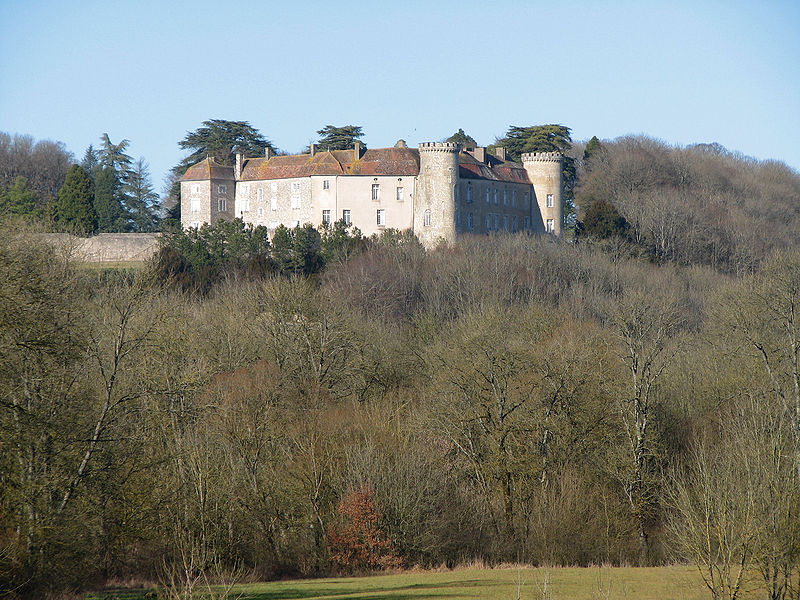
<point x="438" y="191"/>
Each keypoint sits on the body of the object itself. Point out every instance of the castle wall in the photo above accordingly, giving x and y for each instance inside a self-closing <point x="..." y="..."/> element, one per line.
<point x="106" y="247"/>
<point x="195" y="203"/>
<point x="275" y="201"/>
<point x="354" y="193"/>
<point x="494" y="206"/>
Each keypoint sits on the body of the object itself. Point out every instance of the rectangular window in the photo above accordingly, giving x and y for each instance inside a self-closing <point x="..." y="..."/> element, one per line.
<point x="497" y="222"/>
<point x="551" y="226"/>
<point x="222" y="204"/>
<point x="295" y="187"/>
<point x="196" y="188"/>
<point x="245" y="203"/>
<point x="488" y="222"/>
<point x="469" y="194"/>
<point x="195" y="225"/>
<point x="505" y="222"/>
<point x="346" y="216"/>
<point x="260" y="211"/>
<point x="488" y="198"/>
<point x="549" y="200"/>
<point x="274" y="186"/>
<point x="326" y="184"/>
<point x="527" y="202"/>
<point x="399" y="194"/>
<point x="505" y="197"/>
<point x="527" y="222"/>
<point x="326" y="217"/>
<point x="495" y="198"/>
<point x="244" y="189"/>
<point x="514" y="198"/>
<point x="470" y="221"/>
<point x="376" y="192"/>
<point x="296" y="201"/>
<point x="222" y="189"/>
<point x="514" y="223"/>
<point x="274" y="203"/>
<point x="427" y="219"/>
<point x="260" y="194"/>
<point x="195" y="205"/>
<point x="381" y="217"/>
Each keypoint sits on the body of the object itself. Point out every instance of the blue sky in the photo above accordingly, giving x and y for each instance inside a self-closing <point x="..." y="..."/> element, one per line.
<point x="151" y="70"/>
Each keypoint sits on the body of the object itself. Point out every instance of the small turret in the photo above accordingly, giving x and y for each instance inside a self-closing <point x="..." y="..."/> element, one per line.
<point x="434" y="205"/>
<point x="545" y="171"/>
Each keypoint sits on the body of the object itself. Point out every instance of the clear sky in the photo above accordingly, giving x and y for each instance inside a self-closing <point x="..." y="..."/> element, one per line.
<point x="151" y="70"/>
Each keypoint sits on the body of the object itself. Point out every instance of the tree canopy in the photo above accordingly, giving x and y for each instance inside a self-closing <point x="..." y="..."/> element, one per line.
<point x="217" y="138"/>
<point x="459" y="137"/>
<point x="339" y="138"/>
<point x="536" y="138"/>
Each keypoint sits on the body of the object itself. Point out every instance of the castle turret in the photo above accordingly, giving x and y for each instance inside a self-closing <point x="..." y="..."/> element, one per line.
<point x="545" y="171"/>
<point x="435" y="203"/>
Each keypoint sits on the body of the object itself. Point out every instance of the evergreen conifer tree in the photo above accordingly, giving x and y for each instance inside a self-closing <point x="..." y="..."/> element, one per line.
<point x="73" y="210"/>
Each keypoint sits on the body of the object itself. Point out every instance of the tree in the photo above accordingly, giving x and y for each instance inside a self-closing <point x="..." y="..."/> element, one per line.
<point x="339" y="138"/>
<point x="459" y="137"/>
<point x="645" y="324"/>
<point x="110" y="212"/>
<point x="143" y="201"/>
<point x="217" y="138"/>
<point x="18" y="199"/>
<point x="74" y="210"/>
<point x="360" y="542"/>
<point x="603" y="220"/>
<point x="537" y="138"/>
<point x="592" y="147"/>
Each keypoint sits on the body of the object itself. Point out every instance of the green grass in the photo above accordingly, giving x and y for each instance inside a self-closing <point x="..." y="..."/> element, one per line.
<point x="659" y="583"/>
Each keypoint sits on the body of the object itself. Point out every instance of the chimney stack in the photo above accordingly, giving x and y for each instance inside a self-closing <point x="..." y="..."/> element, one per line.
<point x="267" y="152"/>
<point x="357" y="150"/>
<point x="313" y="148"/>
<point x="500" y="152"/>
<point x="237" y="172"/>
<point x="480" y="154"/>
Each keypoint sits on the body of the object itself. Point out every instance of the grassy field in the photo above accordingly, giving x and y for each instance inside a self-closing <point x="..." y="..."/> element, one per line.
<point x="661" y="583"/>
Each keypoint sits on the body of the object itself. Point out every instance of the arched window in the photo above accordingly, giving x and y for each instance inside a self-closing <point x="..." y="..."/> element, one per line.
<point x="427" y="221"/>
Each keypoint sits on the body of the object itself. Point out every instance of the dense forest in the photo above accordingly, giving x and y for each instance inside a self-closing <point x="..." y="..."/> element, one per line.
<point x="315" y="403"/>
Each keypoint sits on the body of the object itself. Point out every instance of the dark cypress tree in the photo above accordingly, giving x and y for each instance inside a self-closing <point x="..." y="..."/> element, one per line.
<point x="73" y="210"/>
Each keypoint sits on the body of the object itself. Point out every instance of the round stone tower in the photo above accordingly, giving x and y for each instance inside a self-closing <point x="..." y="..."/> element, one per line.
<point x="545" y="170"/>
<point x="435" y="204"/>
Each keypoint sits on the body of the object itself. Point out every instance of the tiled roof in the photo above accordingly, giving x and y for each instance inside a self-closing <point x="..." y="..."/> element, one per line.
<point x="382" y="161"/>
<point x="494" y="170"/>
<point x="207" y="169"/>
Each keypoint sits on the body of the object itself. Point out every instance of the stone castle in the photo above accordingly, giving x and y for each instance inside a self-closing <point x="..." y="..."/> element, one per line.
<point x="439" y="190"/>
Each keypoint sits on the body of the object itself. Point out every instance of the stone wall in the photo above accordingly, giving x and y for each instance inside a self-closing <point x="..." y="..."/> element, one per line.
<point x="106" y="247"/>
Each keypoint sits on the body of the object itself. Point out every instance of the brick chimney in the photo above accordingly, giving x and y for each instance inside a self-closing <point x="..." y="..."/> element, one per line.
<point x="356" y="150"/>
<point x="267" y="152"/>
<point x="313" y="149"/>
